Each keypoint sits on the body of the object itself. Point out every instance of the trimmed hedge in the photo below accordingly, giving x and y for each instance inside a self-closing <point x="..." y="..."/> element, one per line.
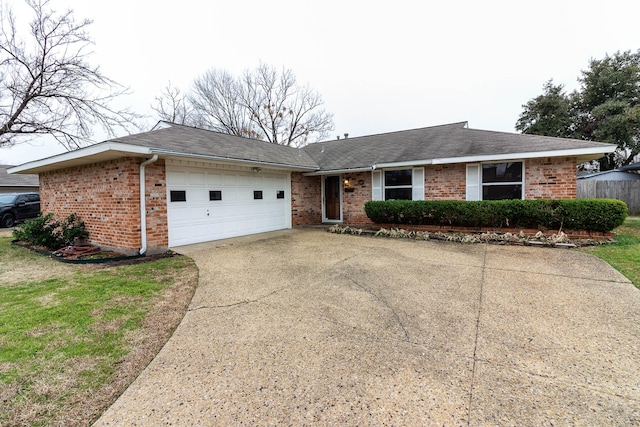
<point x="572" y="214"/>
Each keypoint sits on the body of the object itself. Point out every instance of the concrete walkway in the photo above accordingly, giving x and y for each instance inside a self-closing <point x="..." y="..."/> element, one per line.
<point x="304" y="327"/>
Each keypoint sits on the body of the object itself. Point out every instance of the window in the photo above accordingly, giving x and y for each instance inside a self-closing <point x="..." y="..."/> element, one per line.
<point x="502" y="181"/>
<point x="398" y="184"/>
<point x="280" y="194"/>
<point x="257" y="195"/>
<point x="178" y="196"/>
<point x="215" y="195"/>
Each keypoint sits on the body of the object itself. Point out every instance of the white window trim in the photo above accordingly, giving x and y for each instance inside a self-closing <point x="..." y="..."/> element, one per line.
<point x="376" y="185"/>
<point x="380" y="186"/>
<point x="475" y="185"/>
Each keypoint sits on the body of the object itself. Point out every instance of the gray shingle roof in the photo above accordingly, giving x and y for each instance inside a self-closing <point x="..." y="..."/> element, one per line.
<point x="16" y="180"/>
<point x="611" y="175"/>
<point x="189" y="140"/>
<point x="437" y="142"/>
<point x="631" y="167"/>
<point x="450" y="143"/>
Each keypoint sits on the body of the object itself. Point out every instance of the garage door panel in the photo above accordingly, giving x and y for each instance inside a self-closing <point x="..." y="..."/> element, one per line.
<point x="198" y="196"/>
<point x="214" y="179"/>
<point x="197" y="178"/>
<point x="230" y="180"/>
<point x="177" y="177"/>
<point x="200" y="219"/>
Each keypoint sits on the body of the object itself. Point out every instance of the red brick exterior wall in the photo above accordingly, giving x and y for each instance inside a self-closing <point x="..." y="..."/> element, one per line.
<point x="106" y="197"/>
<point x="545" y="178"/>
<point x="306" y="199"/>
<point x="353" y="201"/>
<point x="550" y="178"/>
<point x="156" y="206"/>
<point x="445" y="182"/>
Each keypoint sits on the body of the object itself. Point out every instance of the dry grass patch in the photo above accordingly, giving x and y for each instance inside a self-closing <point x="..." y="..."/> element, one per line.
<point x="74" y="337"/>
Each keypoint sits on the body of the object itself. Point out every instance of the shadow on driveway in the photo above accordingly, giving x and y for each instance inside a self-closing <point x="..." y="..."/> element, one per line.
<point x="307" y="327"/>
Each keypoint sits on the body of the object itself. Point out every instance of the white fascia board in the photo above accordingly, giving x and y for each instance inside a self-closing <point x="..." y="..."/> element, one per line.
<point x="89" y="151"/>
<point x="232" y="160"/>
<point x="338" y="171"/>
<point x="403" y="164"/>
<point x="590" y="151"/>
<point x="527" y="155"/>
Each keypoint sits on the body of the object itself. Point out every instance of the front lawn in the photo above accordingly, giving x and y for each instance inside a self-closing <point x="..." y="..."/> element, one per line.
<point x="624" y="254"/>
<point x="72" y="338"/>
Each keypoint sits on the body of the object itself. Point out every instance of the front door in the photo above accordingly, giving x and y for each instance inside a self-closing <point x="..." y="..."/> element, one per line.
<point x="332" y="198"/>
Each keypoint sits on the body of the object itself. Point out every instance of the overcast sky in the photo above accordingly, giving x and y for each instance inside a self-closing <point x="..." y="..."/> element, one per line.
<point x="380" y="66"/>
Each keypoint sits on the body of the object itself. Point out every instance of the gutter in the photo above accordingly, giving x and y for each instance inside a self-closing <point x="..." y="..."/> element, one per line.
<point x="339" y="171"/>
<point x="143" y="204"/>
<point x="173" y="153"/>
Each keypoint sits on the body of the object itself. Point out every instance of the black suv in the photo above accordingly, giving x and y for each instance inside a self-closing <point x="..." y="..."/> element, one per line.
<point x="18" y="207"/>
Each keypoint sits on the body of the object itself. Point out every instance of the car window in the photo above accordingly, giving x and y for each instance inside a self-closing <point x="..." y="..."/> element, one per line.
<point x="33" y="198"/>
<point x="21" y="199"/>
<point x="6" y="198"/>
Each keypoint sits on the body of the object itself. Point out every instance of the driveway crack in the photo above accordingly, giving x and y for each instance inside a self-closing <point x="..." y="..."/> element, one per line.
<point x="475" y="343"/>
<point x="239" y="303"/>
<point x="386" y="304"/>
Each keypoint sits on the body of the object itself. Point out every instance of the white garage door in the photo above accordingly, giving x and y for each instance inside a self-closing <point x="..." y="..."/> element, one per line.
<point x="209" y="204"/>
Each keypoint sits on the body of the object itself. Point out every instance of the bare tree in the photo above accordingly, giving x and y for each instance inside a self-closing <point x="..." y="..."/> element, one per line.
<point x="172" y="105"/>
<point x="217" y="100"/>
<point x="46" y="84"/>
<point x="263" y="104"/>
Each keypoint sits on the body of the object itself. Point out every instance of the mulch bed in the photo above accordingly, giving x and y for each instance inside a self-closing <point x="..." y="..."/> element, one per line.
<point x="90" y="254"/>
<point x="556" y="240"/>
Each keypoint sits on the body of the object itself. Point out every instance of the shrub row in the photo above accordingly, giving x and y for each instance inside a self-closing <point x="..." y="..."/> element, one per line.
<point x="572" y="214"/>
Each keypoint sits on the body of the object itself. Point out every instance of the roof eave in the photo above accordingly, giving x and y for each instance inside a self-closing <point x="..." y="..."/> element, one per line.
<point x="337" y="171"/>
<point x="222" y="159"/>
<point x="95" y="153"/>
<point x="113" y="150"/>
<point x="582" y="154"/>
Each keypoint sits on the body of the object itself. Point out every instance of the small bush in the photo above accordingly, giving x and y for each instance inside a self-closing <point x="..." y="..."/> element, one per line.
<point x="50" y="233"/>
<point x="574" y="214"/>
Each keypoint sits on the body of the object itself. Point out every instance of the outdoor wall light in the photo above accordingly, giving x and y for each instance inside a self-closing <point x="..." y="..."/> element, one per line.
<point x="256" y="170"/>
<point x="347" y="184"/>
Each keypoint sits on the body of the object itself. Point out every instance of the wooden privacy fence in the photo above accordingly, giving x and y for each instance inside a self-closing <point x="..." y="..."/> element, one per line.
<point x="627" y="191"/>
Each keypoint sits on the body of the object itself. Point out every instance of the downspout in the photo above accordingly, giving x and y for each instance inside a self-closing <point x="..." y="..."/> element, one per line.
<point x="143" y="204"/>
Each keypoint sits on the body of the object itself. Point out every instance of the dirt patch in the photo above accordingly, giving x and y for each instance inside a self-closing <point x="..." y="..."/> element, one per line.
<point x="158" y="326"/>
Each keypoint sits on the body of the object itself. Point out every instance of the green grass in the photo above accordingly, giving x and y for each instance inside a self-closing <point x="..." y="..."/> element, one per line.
<point x="63" y="337"/>
<point x="624" y="254"/>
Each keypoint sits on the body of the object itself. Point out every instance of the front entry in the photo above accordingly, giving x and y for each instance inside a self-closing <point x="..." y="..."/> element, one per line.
<point x="332" y="211"/>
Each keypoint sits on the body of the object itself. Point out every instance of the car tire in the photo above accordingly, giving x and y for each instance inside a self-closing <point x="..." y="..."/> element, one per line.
<point x="8" y="220"/>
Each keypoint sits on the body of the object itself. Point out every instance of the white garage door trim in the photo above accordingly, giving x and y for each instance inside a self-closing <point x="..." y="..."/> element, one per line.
<point x="212" y="202"/>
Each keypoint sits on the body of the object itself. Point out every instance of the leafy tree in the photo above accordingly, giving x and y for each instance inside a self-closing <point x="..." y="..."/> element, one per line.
<point x="46" y="84"/>
<point x="264" y="103"/>
<point x="610" y="106"/>
<point x="605" y="108"/>
<point x="548" y="114"/>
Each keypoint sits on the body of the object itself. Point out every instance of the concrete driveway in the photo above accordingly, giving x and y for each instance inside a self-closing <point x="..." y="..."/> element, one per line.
<point x="305" y="327"/>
